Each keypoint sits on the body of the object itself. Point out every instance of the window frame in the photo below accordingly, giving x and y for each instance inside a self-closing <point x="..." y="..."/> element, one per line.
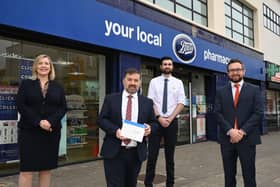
<point x="178" y="4"/>
<point x="245" y="13"/>
<point x="271" y="20"/>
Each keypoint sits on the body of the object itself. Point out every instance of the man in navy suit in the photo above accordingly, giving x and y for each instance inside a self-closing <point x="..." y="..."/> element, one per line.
<point x="123" y="157"/>
<point x="239" y="110"/>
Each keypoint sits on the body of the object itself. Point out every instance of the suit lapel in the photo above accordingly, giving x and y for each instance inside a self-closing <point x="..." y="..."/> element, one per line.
<point x="139" y="109"/>
<point x="242" y="92"/>
<point x="118" y="104"/>
<point x="229" y="94"/>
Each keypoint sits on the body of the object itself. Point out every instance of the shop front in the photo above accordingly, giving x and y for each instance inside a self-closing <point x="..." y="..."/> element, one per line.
<point x="80" y="73"/>
<point x="112" y="40"/>
<point x="272" y="112"/>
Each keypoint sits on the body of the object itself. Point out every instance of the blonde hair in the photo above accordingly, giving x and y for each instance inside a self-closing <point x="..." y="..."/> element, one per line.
<point x="35" y="64"/>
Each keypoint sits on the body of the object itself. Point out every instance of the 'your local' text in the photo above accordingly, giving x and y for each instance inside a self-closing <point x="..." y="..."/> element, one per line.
<point x="114" y="28"/>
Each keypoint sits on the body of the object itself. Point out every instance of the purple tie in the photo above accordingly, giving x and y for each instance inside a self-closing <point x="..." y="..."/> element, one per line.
<point x="128" y="115"/>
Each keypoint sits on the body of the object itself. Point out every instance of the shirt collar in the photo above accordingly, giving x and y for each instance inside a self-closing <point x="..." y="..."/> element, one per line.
<point x="240" y="83"/>
<point x="163" y="77"/>
<point x="125" y="93"/>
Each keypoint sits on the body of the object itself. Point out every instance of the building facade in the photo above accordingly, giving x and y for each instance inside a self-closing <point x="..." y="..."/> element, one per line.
<point x="92" y="42"/>
<point x="271" y="44"/>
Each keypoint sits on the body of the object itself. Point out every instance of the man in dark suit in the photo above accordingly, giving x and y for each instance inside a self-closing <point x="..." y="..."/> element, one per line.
<point x="123" y="157"/>
<point x="239" y="110"/>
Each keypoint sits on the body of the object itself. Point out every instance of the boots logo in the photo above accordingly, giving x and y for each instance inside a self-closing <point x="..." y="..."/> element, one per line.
<point x="184" y="48"/>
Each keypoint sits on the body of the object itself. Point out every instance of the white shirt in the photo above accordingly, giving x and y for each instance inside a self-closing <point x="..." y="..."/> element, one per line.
<point x="134" y="111"/>
<point x="175" y="93"/>
<point x="233" y="88"/>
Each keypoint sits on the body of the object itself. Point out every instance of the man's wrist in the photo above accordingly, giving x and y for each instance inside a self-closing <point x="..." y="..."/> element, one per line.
<point x="228" y="132"/>
<point x="244" y="133"/>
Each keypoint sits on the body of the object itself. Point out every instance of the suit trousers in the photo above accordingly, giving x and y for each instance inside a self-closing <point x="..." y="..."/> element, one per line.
<point x="170" y="139"/>
<point x="247" y="157"/>
<point x="123" y="170"/>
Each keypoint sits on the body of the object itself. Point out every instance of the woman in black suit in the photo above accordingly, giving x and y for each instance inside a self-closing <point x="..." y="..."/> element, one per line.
<point x="41" y="104"/>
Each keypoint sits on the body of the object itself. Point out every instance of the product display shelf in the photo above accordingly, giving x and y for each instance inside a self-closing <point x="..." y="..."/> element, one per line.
<point x="76" y="128"/>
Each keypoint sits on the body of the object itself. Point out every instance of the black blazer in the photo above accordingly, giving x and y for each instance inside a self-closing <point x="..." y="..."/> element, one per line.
<point x="33" y="107"/>
<point x="249" y="112"/>
<point x="110" y="119"/>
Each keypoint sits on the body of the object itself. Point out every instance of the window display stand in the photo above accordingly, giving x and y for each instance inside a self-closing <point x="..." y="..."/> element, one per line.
<point x="77" y="129"/>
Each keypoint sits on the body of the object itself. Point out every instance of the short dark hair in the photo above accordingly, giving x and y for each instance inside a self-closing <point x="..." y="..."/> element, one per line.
<point x="165" y="58"/>
<point x="130" y="71"/>
<point x="235" y="60"/>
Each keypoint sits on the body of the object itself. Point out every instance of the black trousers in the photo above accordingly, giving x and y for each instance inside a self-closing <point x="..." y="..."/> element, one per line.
<point x="123" y="170"/>
<point x="247" y="157"/>
<point x="170" y="138"/>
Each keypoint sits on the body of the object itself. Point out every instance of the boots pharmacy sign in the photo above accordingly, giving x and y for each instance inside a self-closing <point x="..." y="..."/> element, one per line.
<point x="184" y="48"/>
<point x="106" y="26"/>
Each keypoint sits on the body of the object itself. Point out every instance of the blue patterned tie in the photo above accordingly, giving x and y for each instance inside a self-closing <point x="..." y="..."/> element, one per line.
<point x="164" y="101"/>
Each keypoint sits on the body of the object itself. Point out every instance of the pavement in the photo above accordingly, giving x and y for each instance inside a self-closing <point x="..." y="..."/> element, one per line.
<point x="196" y="165"/>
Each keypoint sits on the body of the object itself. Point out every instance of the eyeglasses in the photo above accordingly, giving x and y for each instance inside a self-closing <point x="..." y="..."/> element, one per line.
<point x="238" y="70"/>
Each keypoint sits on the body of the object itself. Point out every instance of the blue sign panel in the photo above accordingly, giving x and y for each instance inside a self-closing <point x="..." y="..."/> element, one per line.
<point x="8" y="141"/>
<point x="8" y="152"/>
<point x="8" y="109"/>
<point x="25" y="69"/>
<point x="92" y="22"/>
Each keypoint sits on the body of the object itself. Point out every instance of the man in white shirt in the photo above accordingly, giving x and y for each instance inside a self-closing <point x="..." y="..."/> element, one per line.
<point x="167" y="93"/>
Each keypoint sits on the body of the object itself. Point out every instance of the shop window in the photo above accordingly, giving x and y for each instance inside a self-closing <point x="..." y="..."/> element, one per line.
<point x="272" y="111"/>
<point x="80" y="73"/>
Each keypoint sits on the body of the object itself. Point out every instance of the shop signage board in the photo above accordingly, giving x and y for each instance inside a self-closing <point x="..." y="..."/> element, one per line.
<point x="103" y="25"/>
<point x="273" y="72"/>
<point x="8" y="141"/>
<point x="8" y="109"/>
<point x="8" y="124"/>
<point x="25" y="69"/>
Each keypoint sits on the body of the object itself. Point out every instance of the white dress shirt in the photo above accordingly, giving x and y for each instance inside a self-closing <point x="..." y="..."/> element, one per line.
<point x="175" y="93"/>
<point x="233" y="88"/>
<point x="134" y="112"/>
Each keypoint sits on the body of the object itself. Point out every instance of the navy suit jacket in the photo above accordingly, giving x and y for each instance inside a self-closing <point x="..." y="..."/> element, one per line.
<point x="249" y="112"/>
<point x="110" y="120"/>
<point x="33" y="107"/>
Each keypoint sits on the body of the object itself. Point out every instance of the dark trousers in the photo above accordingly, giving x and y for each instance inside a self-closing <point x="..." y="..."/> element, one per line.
<point x="247" y="157"/>
<point x="123" y="170"/>
<point x="170" y="138"/>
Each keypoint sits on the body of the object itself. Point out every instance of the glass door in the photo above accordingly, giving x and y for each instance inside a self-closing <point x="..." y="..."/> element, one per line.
<point x="199" y="109"/>
<point x="151" y="70"/>
<point x="183" y="136"/>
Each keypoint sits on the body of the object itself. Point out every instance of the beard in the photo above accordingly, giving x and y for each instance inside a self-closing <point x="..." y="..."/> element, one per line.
<point x="166" y="71"/>
<point x="132" y="89"/>
<point x="236" y="80"/>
